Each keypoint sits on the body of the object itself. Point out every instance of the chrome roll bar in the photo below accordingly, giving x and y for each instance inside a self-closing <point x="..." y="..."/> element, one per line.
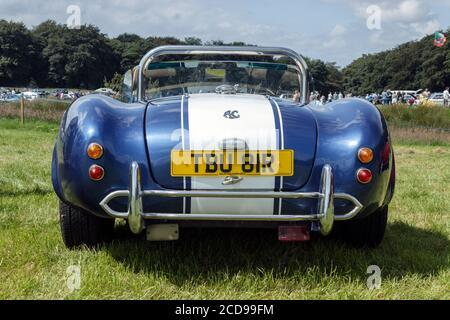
<point x="238" y="50"/>
<point x="136" y="215"/>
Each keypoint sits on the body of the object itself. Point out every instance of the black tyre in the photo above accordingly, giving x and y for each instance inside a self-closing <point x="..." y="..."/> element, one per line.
<point x="79" y="227"/>
<point x="366" y="232"/>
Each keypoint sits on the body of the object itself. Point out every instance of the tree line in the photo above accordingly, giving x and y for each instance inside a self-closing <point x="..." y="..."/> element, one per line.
<point x="52" y="55"/>
<point x="410" y="66"/>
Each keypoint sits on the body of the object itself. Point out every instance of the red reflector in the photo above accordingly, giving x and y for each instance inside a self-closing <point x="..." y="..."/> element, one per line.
<point x="96" y="172"/>
<point x="293" y="233"/>
<point x="386" y="154"/>
<point x="364" y="176"/>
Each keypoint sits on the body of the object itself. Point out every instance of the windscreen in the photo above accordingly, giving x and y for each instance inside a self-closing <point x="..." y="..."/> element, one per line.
<point x="173" y="75"/>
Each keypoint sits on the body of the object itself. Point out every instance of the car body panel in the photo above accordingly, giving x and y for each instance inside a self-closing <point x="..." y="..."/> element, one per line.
<point x="437" y="98"/>
<point x="139" y="137"/>
<point x="10" y="97"/>
<point x="263" y="123"/>
<point x="342" y="127"/>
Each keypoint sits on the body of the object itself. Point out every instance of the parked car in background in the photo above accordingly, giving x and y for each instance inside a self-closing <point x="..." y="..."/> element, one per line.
<point x="59" y="93"/>
<point x="56" y="92"/>
<point x="410" y="92"/>
<point x="411" y="99"/>
<point x="9" y="97"/>
<point x="437" y="98"/>
<point x="41" y="93"/>
<point x="30" y="95"/>
<point x="287" y="96"/>
<point x="182" y="148"/>
<point x="105" y="91"/>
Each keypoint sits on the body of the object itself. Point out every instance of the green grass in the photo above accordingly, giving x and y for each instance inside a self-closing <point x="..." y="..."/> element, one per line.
<point x="424" y="116"/>
<point x="218" y="264"/>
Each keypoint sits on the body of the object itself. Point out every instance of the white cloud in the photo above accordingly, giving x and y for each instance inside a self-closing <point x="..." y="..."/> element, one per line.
<point x="336" y="38"/>
<point x="396" y="11"/>
<point x="401" y="21"/>
<point x="333" y="30"/>
<point x="338" y="30"/>
<point x="427" y="27"/>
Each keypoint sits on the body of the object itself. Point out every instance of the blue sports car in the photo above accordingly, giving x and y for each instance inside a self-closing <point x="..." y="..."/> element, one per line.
<point x="201" y="137"/>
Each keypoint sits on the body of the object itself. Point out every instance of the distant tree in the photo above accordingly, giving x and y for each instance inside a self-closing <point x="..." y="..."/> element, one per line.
<point x="49" y="35"/>
<point x="128" y="38"/>
<point x="129" y="48"/>
<point x="192" y="41"/>
<point x="41" y="34"/>
<point x="221" y="43"/>
<point x="327" y="77"/>
<point x="115" y="83"/>
<point x="412" y="65"/>
<point x="79" y="58"/>
<point x="90" y="59"/>
<point x="17" y="50"/>
<point x="53" y="55"/>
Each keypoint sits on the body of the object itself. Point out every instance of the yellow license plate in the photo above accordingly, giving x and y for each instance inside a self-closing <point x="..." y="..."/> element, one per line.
<point x="232" y="163"/>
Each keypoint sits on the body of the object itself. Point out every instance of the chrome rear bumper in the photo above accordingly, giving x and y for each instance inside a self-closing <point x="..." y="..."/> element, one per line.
<point x="325" y="215"/>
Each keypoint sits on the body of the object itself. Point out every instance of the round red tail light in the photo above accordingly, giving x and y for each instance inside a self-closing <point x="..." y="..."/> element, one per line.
<point x="364" y="176"/>
<point x="96" y="172"/>
<point x="386" y="154"/>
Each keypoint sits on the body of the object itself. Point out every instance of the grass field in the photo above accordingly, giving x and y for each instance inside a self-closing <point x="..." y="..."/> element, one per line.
<point x="219" y="264"/>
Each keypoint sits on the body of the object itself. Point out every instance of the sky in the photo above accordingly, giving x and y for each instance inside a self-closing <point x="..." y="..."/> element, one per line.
<point x="332" y="30"/>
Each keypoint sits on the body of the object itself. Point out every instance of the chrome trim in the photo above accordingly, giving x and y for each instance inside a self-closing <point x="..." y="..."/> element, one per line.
<point x="227" y="89"/>
<point x="358" y="206"/>
<point x="233" y="144"/>
<point x="135" y="207"/>
<point x="229" y="180"/>
<point x="326" y="205"/>
<point x="163" y="50"/>
<point x="136" y="216"/>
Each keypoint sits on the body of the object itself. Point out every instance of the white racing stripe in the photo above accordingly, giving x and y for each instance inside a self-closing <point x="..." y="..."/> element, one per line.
<point x="208" y="127"/>
<point x="183" y="146"/>
<point x="281" y="133"/>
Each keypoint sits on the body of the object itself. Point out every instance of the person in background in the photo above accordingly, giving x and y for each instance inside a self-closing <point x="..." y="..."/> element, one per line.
<point x="330" y="97"/>
<point x="395" y="98"/>
<point x="384" y="97"/>
<point x="314" y="96"/>
<point x="400" y="97"/>
<point x="446" y="96"/>
<point x="296" y="96"/>
<point x="322" y="100"/>
<point x="340" y="96"/>
<point x="389" y="96"/>
<point x="375" y="98"/>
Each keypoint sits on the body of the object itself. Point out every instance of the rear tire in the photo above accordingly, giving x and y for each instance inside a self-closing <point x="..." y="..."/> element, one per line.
<point x="366" y="232"/>
<point x="79" y="227"/>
